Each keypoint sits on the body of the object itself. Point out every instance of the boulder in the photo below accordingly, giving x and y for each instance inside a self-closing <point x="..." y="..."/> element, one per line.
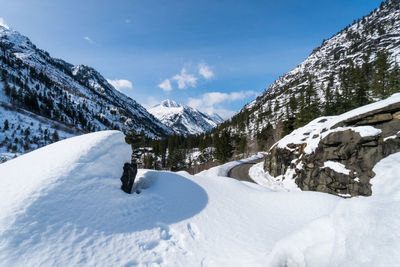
<point x="128" y="177"/>
<point x="345" y="147"/>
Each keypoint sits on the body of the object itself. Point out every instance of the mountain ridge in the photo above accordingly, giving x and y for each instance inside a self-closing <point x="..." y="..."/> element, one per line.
<point x="76" y="96"/>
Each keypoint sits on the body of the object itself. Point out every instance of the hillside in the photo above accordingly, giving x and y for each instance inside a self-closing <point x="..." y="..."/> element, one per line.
<point x="183" y="119"/>
<point x="336" y="154"/>
<point x="357" y="66"/>
<point x="42" y="93"/>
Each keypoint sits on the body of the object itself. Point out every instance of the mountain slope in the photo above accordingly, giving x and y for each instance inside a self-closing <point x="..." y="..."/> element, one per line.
<point x="341" y="74"/>
<point x="77" y="97"/>
<point x="184" y="119"/>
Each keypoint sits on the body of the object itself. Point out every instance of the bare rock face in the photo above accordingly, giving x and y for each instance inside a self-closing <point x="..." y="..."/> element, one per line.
<point x="345" y="147"/>
<point x="128" y="177"/>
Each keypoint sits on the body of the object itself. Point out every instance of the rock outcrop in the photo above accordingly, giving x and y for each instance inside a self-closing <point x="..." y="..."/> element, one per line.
<point x="337" y="154"/>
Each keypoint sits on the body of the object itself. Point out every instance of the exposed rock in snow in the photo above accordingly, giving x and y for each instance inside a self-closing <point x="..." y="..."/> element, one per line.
<point x="128" y="177"/>
<point x="336" y="154"/>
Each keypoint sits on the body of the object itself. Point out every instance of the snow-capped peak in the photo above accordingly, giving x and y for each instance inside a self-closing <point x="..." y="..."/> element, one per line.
<point x="184" y="119"/>
<point x="170" y="104"/>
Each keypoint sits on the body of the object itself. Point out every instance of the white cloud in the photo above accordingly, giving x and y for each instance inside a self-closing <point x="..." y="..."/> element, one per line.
<point x="87" y="38"/>
<point x="3" y="23"/>
<point x="119" y="84"/>
<point x="211" y="102"/>
<point x="165" y="85"/>
<point x="205" y="71"/>
<point x="222" y="112"/>
<point x="213" y="98"/>
<point x="185" y="80"/>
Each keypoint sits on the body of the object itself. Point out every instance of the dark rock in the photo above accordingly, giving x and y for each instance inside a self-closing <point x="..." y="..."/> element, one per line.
<point x="378" y="118"/>
<point x="392" y="109"/>
<point x="358" y="154"/>
<point x="396" y="115"/>
<point x="128" y="177"/>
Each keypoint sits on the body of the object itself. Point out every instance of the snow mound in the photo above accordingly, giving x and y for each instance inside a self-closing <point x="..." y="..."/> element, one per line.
<point x="359" y="231"/>
<point x="62" y="205"/>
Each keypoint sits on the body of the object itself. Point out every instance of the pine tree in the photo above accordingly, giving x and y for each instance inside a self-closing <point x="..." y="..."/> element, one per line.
<point x="242" y="144"/>
<point x="329" y="108"/>
<point x="380" y="76"/>
<point x="55" y="136"/>
<point x="223" y="146"/>
<point x="394" y="80"/>
<point x="6" y="127"/>
<point x="309" y="105"/>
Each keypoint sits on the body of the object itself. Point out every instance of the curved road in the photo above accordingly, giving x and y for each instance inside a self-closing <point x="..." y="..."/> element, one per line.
<point x="241" y="172"/>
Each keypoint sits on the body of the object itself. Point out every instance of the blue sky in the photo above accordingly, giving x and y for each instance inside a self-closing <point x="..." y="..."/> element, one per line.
<point x="213" y="55"/>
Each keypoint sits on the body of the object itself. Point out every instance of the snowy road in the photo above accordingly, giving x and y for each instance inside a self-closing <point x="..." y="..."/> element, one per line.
<point x="241" y="172"/>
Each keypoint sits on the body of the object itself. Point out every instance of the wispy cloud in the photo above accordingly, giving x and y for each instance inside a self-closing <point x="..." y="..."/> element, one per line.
<point x="119" y="84"/>
<point x="205" y="71"/>
<point x="151" y="102"/>
<point x="165" y="85"/>
<point x="3" y="23"/>
<point x="88" y="39"/>
<point x="211" y="102"/>
<point x="185" y="80"/>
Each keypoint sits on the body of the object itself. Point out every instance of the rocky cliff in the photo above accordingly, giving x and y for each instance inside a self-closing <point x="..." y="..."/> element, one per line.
<point x="337" y="154"/>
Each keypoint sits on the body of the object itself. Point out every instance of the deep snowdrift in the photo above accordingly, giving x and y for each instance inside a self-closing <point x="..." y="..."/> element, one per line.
<point x="62" y="205"/>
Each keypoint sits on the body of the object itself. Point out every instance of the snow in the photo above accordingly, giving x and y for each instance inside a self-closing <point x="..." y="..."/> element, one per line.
<point x="222" y="170"/>
<point x="258" y="175"/>
<point x="27" y="128"/>
<point x="358" y="232"/>
<point x="336" y="166"/>
<point x="62" y="205"/>
<point x="311" y="133"/>
<point x="280" y="183"/>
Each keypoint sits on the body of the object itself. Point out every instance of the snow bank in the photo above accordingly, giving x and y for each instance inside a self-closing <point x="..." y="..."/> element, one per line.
<point x="359" y="232"/>
<point x="34" y="175"/>
<point x="258" y="175"/>
<point x="222" y="170"/>
<point x="62" y="205"/>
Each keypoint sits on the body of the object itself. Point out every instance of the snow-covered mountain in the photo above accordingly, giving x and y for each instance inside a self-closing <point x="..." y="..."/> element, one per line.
<point x="39" y="93"/>
<point x="184" y="119"/>
<point x="326" y="71"/>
